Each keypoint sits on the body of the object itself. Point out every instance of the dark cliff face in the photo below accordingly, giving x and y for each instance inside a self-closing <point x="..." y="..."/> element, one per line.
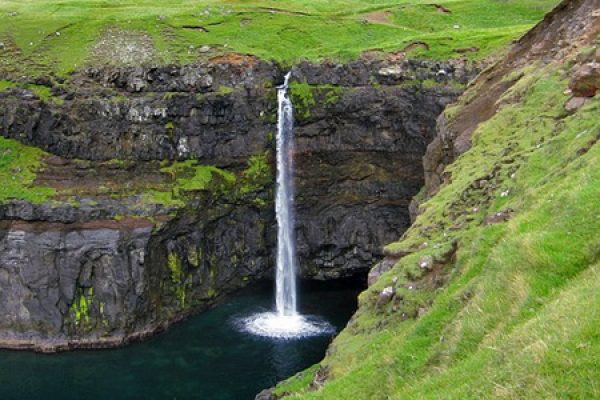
<point x="358" y="167"/>
<point x="105" y="282"/>
<point x="110" y="269"/>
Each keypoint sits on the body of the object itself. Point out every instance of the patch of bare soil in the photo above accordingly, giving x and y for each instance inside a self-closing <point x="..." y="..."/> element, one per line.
<point x="372" y="54"/>
<point x="401" y="55"/>
<point x="378" y="17"/>
<point x="415" y="45"/>
<point x="235" y="59"/>
<point x="441" y="9"/>
<point x="121" y="47"/>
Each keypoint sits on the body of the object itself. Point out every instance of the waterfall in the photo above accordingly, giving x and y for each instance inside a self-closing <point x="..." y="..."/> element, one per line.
<point x="285" y="322"/>
<point x="284" y="205"/>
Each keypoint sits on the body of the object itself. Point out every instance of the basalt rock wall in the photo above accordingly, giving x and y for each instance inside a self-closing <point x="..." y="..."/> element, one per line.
<point x="103" y="283"/>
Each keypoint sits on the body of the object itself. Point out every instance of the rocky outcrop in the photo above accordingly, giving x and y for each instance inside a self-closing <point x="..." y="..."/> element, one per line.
<point x="103" y="283"/>
<point x="220" y="113"/>
<point x="113" y="267"/>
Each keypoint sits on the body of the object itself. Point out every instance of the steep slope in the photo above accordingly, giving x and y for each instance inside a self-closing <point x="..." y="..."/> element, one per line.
<point x="493" y="292"/>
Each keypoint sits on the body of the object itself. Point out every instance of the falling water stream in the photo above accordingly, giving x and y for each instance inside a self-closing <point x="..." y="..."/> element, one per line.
<point x="285" y="322"/>
<point x="286" y="296"/>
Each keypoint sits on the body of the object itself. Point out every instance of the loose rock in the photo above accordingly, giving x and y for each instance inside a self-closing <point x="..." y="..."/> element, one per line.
<point x="386" y="296"/>
<point x="426" y="262"/>
<point x="586" y="79"/>
<point x="575" y="103"/>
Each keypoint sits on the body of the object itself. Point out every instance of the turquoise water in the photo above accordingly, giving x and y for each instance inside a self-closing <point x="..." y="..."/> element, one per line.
<point x="205" y="357"/>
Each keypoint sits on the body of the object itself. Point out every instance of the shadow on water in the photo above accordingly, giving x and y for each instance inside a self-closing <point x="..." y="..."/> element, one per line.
<point x="205" y="357"/>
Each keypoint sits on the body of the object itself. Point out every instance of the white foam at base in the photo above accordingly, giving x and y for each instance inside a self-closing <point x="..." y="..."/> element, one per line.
<point x="296" y="326"/>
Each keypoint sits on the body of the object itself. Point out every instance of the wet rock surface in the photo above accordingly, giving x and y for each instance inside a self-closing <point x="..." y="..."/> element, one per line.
<point x="358" y="166"/>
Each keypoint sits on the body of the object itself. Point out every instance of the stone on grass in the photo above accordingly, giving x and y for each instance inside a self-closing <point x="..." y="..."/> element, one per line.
<point x="575" y="103"/>
<point x="386" y="296"/>
<point x="586" y="80"/>
<point x="378" y="270"/>
<point x="426" y="262"/>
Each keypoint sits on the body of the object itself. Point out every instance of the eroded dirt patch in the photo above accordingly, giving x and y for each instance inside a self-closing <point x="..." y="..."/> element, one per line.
<point x="121" y="47"/>
<point x="235" y="59"/>
<point x="378" y="17"/>
<point x="441" y="9"/>
<point x="401" y="55"/>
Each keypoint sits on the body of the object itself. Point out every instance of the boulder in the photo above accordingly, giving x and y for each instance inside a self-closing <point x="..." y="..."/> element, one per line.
<point x="585" y="81"/>
<point x="394" y="71"/>
<point x="498" y="217"/>
<point x="426" y="262"/>
<point x="379" y="269"/>
<point x="386" y="295"/>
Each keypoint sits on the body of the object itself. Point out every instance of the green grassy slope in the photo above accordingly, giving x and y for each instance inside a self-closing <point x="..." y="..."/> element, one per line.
<point x="42" y="36"/>
<point x="514" y="311"/>
<point x="18" y="167"/>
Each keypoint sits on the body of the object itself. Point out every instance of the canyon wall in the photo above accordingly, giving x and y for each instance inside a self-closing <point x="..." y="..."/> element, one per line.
<point x="102" y="262"/>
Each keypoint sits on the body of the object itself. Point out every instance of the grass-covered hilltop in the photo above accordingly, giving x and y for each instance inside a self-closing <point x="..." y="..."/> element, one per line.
<point x="44" y="36"/>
